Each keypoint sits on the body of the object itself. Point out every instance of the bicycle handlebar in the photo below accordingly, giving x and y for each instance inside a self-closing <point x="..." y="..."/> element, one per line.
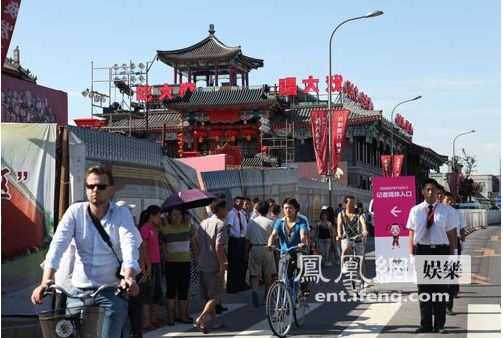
<point x="290" y="249"/>
<point x="51" y="288"/>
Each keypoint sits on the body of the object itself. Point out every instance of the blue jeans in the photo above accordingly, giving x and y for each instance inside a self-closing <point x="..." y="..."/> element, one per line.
<point x="116" y="311"/>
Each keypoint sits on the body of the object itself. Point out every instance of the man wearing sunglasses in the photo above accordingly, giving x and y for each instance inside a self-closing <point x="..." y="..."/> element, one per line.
<point x="97" y="259"/>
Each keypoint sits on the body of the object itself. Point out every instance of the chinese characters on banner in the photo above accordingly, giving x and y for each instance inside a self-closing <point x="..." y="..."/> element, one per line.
<point x="340" y="119"/>
<point x="10" y="9"/>
<point x="393" y="198"/>
<point x="397" y="164"/>
<point x="386" y="165"/>
<point x="392" y="165"/>
<point x="319" y="125"/>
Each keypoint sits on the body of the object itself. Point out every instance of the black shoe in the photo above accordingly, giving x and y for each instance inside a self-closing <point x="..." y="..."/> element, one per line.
<point x="422" y="330"/>
<point x="443" y="331"/>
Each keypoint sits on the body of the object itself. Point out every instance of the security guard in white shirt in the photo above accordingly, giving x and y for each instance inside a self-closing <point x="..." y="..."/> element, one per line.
<point x="432" y="231"/>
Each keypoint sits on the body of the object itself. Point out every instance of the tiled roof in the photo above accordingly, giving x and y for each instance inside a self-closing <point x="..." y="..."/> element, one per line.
<point x="210" y="48"/>
<point x="227" y="96"/>
<point x="303" y="114"/>
<point x="156" y="120"/>
<point x="104" y="146"/>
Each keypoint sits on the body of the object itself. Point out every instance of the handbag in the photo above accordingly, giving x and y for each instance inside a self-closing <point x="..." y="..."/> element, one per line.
<point x="106" y="239"/>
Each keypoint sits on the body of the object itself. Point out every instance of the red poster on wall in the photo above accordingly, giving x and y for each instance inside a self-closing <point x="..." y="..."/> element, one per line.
<point x="397" y="164"/>
<point x="339" y="127"/>
<point x="386" y="165"/>
<point x="319" y="125"/>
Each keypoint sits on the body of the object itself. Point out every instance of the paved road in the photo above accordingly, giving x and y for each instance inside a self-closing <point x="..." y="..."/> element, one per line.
<point x="477" y="310"/>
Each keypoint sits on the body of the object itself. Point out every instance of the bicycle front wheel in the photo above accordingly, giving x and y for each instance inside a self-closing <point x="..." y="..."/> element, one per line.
<point x="279" y="309"/>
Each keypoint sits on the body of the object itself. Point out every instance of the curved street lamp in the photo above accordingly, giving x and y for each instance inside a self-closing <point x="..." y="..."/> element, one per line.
<point x="454" y="146"/>
<point x="330" y="150"/>
<point x="392" y="114"/>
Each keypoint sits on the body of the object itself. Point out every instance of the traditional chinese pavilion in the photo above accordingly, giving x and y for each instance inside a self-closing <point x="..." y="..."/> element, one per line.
<point x="210" y="108"/>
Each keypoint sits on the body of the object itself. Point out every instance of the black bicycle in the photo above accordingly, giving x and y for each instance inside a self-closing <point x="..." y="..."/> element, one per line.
<point x="285" y="301"/>
<point x="75" y="322"/>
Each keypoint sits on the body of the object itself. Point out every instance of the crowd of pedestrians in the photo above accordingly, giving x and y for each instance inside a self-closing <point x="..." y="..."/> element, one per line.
<point x="157" y="254"/>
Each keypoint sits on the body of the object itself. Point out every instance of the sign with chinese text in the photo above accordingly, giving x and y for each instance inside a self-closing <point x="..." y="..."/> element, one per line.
<point x="319" y="125"/>
<point x="28" y="181"/>
<point x="393" y="198"/>
<point x="404" y="124"/>
<point x="288" y="86"/>
<point x="339" y="127"/>
<point x="163" y="92"/>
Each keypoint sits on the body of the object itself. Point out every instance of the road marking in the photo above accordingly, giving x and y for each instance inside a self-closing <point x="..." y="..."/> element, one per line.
<point x="372" y="321"/>
<point x="262" y="330"/>
<point x="181" y="330"/>
<point x="484" y="321"/>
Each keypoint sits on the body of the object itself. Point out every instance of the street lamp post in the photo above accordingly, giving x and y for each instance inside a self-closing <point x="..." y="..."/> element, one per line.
<point x="454" y="147"/>
<point x="392" y="114"/>
<point x="330" y="150"/>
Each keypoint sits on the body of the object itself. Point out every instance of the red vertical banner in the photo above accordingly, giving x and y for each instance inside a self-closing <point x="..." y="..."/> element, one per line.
<point x="386" y="165"/>
<point x="397" y="165"/>
<point x="319" y="125"/>
<point x="10" y="9"/>
<point x="339" y="127"/>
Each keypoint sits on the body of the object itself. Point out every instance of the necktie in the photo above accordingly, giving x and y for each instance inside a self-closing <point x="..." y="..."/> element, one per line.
<point x="429" y="217"/>
<point x="240" y="224"/>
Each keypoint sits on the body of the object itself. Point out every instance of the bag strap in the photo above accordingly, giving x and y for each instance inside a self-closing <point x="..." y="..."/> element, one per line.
<point x="102" y="233"/>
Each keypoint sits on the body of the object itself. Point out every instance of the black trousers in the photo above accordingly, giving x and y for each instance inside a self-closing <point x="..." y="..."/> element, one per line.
<point x="237" y="265"/>
<point x="432" y="310"/>
<point x="454" y="288"/>
<point x="135" y="312"/>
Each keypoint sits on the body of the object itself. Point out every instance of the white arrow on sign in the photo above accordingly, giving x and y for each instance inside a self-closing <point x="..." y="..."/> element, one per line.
<point x="395" y="211"/>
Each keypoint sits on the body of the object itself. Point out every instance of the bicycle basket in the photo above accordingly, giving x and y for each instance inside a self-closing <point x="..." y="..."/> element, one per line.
<point x="61" y="324"/>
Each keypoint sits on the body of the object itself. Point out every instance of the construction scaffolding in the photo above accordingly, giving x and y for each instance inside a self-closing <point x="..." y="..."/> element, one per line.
<point x="280" y="143"/>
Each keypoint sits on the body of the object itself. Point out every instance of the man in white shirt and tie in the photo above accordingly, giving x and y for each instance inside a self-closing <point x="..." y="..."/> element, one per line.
<point x="432" y="231"/>
<point x="448" y="199"/>
<point x="236" y="220"/>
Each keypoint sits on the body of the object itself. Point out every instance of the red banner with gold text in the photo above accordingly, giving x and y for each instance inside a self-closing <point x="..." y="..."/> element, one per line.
<point x="319" y="125"/>
<point x="340" y="120"/>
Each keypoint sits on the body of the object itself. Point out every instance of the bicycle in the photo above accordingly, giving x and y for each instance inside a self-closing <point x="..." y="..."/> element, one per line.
<point x="285" y="301"/>
<point x="79" y="322"/>
<point x="354" y="286"/>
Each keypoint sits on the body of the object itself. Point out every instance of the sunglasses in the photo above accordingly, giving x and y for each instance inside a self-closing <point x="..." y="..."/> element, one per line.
<point x="99" y="186"/>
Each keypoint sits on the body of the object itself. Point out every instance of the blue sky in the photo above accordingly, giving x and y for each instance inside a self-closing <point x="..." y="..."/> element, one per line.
<point x="447" y="51"/>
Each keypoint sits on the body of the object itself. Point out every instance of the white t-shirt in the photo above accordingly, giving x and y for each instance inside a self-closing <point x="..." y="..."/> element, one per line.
<point x="437" y="234"/>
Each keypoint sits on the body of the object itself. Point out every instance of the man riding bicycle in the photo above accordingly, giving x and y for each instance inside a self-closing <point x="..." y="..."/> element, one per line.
<point x="291" y="230"/>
